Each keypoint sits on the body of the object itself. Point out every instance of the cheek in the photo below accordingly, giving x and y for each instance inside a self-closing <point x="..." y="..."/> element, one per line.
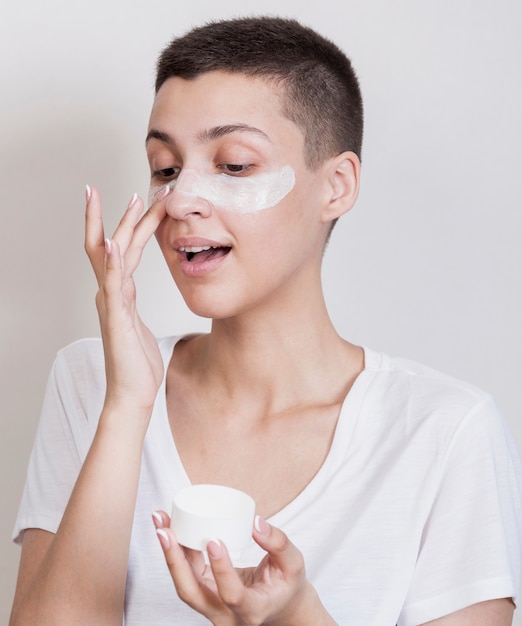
<point x="255" y="193"/>
<point x="235" y="194"/>
<point x="154" y="192"/>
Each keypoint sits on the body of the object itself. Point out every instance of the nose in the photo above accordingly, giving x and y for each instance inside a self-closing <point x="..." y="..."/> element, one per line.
<point x="187" y="197"/>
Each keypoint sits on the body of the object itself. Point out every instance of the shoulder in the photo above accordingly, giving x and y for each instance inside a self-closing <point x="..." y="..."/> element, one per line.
<point x="89" y="349"/>
<point x="422" y="384"/>
<point x="418" y="399"/>
<point x="79" y="368"/>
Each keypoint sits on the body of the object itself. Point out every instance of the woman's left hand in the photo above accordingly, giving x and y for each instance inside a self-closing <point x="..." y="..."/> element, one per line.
<point x="275" y="592"/>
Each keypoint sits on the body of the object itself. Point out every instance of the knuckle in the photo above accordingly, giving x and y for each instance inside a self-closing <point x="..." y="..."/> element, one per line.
<point x="99" y="300"/>
<point x="90" y="251"/>
<point x="232" y="598"/>
<point x="281" y="542"/>
<point x="105" y="290"/>
<point x="183" y="590"/>
<point x="296" y="567"/>
<point x="297" y="564"/>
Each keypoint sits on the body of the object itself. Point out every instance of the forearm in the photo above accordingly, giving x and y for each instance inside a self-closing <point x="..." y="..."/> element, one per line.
<point x="82" y="577"/>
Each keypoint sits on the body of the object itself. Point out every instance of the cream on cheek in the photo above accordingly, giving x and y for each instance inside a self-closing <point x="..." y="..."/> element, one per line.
<point x="229" y="193"/>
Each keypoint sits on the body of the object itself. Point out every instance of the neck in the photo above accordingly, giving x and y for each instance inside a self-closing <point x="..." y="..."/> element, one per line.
<point x="276" y="358"/>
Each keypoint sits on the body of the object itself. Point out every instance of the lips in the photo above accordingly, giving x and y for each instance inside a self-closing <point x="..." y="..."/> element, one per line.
<point x="200" y="254"/>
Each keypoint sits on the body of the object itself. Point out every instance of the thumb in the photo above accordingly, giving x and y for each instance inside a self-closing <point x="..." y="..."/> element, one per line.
<point x="281" y="550"/>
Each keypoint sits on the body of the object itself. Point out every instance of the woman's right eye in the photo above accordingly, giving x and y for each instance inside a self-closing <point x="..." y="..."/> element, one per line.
<point x="167" y="173"/>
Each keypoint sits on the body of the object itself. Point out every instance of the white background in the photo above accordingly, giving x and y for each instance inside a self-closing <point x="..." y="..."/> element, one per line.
<point x="428" y="265"/>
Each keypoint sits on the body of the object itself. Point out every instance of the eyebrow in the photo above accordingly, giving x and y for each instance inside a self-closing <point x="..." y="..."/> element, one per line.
<point x="209" y="134"/>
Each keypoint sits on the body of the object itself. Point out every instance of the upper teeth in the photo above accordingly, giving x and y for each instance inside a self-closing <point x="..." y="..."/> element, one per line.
<point x="194" y="249"/>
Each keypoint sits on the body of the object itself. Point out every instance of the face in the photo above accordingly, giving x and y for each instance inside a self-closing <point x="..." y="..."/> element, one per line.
<point x="243" y="224"/>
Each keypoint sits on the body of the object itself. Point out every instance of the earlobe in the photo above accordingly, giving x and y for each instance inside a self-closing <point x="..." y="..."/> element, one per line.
<point x="344" y="174"/>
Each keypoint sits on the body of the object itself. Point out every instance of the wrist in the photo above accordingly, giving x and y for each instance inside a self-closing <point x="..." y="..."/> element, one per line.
<point x="124" y="419"/>
<point x="129" y="401"/>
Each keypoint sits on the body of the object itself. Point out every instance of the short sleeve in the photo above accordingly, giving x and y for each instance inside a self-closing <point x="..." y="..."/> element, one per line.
<point x="471" y="544"/>
<point x="62" y="440"/>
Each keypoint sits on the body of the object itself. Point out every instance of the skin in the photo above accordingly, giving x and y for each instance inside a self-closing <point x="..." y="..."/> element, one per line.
<point x="260" y="376"/>
<point x="239" y="193"/>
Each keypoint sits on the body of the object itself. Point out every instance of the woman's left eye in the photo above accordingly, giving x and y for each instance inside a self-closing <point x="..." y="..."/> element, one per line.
<point x="233" y="168"/>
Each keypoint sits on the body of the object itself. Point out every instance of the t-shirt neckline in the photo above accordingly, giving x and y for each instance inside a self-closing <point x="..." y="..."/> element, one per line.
<point x="346" y="423"/>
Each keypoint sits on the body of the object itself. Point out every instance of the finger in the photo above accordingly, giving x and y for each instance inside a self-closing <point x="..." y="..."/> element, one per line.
<point x="197" y="561"/>
<point x="94" y="232"/>
<point x="185" y="580"/>
<point x="229" y="584"/>
<point x="112" y="279"/>
<point x="125" y="230"/>
<point x="282" y="551"/>
<point x="144" y="229"/>
<point x="160" y="519"/>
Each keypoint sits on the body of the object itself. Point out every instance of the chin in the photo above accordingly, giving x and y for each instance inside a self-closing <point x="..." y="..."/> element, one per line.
<point x="210" y="310"/>
<point x="221" y="300"/>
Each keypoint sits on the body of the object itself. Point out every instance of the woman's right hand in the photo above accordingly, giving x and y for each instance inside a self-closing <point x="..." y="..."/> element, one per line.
<point x="134" y="367"/>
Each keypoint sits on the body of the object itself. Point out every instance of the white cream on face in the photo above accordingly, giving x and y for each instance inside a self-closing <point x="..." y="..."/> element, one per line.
<point x="238" y="194"/>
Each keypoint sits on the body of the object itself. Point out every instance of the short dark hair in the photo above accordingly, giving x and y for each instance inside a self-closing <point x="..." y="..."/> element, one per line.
<point x="321" y="91"/>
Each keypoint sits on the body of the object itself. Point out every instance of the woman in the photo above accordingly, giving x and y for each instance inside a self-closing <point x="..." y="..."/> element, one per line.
<point x="392" y="492"/>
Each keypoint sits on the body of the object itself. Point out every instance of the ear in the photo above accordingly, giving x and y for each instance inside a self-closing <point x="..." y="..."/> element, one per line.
<point x="343" y="174"/>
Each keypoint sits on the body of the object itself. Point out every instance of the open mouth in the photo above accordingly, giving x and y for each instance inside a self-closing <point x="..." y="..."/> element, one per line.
<point x="200" y="254"/>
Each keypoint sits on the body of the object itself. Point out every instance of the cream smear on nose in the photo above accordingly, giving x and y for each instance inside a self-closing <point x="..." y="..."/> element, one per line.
<point x="240" y="195"/>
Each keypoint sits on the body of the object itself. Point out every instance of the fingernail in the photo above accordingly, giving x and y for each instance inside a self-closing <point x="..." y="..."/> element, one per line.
<point x="214" y="549"/>
<point x="164" y="538"/>
<point x="261" y="526"/>
<point x="108" y="246"/>
<point x="132" y="201"/>
<point x="88" y="192"/>
<point x="157" y="518"/>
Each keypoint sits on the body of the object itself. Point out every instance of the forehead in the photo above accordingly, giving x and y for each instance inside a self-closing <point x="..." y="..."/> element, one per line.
<point x="220" y="98"/>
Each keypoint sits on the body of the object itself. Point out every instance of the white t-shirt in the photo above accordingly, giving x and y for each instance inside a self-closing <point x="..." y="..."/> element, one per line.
<point x="415" y="513"/>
